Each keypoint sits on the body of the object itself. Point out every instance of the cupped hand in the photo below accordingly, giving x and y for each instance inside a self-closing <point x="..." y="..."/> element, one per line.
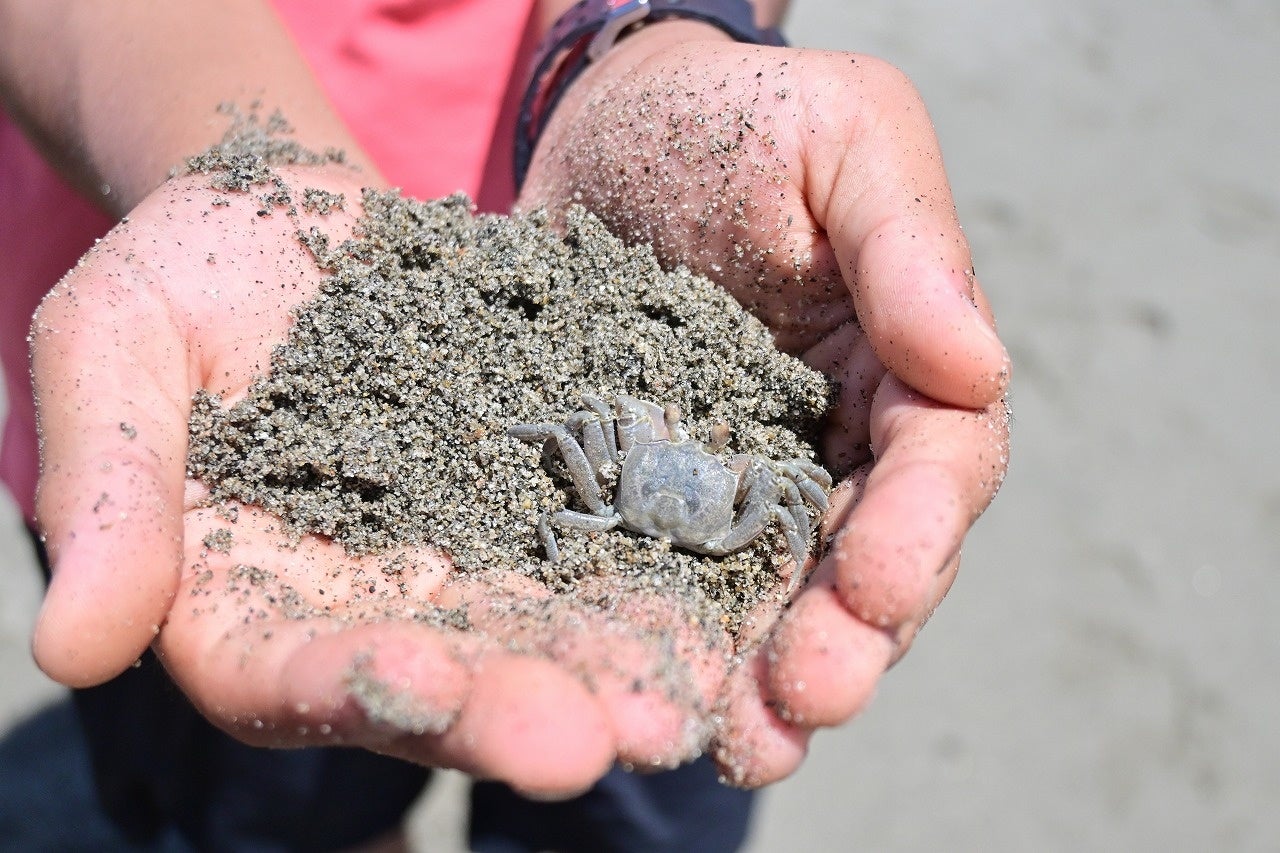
<point x="291" y="643"/>
<point x="811" y="186"/>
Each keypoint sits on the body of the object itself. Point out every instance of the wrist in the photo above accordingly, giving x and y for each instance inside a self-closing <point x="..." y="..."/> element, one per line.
<point x="619" y="34"/>
<point x="633" y="48"/>
<point x="648" y="37"/>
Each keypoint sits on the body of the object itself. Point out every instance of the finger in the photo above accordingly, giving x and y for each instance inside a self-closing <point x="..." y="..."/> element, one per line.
<point x="847" y="357"/>
<point x="876" y="184"/>
<point x="824" y="664"/>
<point x="754" y="745"/>
<point x="109" y="375"/>
<point x="895" y="553"/>
<point x="937" y="469"/>
<point x="654" y="671"/>
<point x="941" y="586"/>
<point x="402" y="689"/>
<point x="168" y="302"/>
<point x="534" y="726"/>
<point x="269" y="659"/>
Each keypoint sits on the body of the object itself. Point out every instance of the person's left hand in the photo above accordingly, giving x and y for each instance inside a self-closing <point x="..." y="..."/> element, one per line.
<point x="810" y="185"/>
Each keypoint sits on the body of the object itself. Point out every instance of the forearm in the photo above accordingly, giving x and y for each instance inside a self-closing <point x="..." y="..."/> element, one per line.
<point x="117" y="93"/>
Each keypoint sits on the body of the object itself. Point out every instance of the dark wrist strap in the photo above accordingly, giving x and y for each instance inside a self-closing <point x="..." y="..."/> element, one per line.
<point x="587" y="31"/>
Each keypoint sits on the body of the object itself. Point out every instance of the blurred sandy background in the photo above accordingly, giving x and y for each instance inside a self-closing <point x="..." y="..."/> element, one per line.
<point x="1106" y="673"/>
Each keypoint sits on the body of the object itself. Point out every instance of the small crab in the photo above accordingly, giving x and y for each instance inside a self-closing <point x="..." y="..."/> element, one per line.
<point x="672" y="487"/>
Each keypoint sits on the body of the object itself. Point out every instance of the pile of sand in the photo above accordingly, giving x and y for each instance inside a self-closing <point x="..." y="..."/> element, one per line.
<point x="383" y="421"/>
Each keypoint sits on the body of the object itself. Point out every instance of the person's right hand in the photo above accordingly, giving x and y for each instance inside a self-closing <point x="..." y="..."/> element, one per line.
<point x="186" y="295"/>
<point x="809" y="184"/>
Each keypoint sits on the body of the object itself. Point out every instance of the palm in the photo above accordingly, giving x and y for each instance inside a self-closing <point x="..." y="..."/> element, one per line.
<point x="707" y="176"/>
<point x="298" y="643"/>
<point x="722" y="175"/>
<point x="292" y="644"/>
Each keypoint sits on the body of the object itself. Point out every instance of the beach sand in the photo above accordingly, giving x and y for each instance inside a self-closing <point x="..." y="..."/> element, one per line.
<point x="1101" y="677"/>
<point x="383" y="423"/>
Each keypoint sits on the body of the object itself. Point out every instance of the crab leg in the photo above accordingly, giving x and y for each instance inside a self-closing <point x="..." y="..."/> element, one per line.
<point x="572" y="519"/>
<point x="799" y="546"/>
<point x="584" y="521"/>
<point x="811" y="470"/>
<point x="575" y="459"/>
<point x="807" y="480"/>
<point x="799" y="549"/>
<point x="548" y="539"/>
<point x="601" y="408"/>
<point x="593" y="443"/>
<point x="793" y="504"/>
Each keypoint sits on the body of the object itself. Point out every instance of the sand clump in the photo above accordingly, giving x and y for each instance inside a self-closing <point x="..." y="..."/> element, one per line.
<point x="382" y="423"/>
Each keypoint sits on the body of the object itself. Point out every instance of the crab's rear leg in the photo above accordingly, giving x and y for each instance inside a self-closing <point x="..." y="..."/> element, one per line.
<point x="793" y="505"/>
<point x="798" y="543"/>
<point x="802" y="482"/>
<point x="571" y="519"/>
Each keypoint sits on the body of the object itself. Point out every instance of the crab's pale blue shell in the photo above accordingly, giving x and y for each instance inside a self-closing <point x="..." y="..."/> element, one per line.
<point x="676" y="491"/>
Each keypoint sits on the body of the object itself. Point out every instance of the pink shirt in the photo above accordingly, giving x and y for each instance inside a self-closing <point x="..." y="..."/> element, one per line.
<point x="410" y="77"/>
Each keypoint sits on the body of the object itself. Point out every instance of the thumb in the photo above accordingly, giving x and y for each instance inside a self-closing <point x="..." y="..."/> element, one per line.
<point x="109" y="373"/>
<point x="878" y="187"/>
